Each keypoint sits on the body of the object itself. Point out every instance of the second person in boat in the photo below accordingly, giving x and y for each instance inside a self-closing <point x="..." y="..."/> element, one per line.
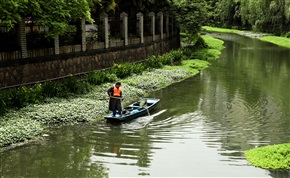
<point x="115" y="94"/>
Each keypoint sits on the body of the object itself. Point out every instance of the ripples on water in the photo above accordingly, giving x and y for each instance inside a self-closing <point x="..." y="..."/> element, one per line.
<point x="137" y="143"/>
<point x="239" y="103"/>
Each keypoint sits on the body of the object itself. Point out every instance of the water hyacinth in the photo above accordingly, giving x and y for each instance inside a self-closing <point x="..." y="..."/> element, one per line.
<point x="157" y="79"/>
<point x="18" y="130"/>
<point x="30" y="121"/>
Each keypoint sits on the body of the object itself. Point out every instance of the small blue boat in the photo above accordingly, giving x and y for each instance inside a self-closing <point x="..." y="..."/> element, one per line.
<point x="135" y="110"/>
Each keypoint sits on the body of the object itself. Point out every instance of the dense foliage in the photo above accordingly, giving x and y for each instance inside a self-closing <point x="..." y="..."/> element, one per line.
<point x="191" y="14"/>
<point x="54" y="14"/>
<point x="270" y="157"/>
<point x="271" y="16"/>
<point x="45" y="109"/>
<point x="20" y="97"/>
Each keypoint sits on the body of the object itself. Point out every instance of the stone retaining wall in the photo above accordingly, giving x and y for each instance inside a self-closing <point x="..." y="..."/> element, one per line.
<point x="33" y="70"/>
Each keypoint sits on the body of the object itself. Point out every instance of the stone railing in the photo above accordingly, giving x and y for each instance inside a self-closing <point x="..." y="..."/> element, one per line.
<point x="163" y="22"/>
<point x="33" y="66"/>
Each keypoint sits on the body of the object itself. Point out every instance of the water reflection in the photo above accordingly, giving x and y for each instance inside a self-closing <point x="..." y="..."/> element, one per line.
<point x="240" y="102"/>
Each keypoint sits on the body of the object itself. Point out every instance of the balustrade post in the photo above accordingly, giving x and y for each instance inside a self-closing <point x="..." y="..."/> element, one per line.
<point x="160" y="15"/>
<point x="22" y="38"/>
<point x="167" y="25"/>
<point x="152" y="26"/>
<point x="83" y="28"/>
<point x="56" y="44"/>
<point x="140" y="26"/>
<point x="124" y="27"/>
<point x="105" y="28"/>
<point x="172" y="26"/>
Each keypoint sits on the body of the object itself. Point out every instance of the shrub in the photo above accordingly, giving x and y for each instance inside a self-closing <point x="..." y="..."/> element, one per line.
<point x="50" y="89"/>
<point x="3" y="101"/>
<point x="35" y="94"/>
<point x="287" y="35"/>
<point x="99" y="77"/>
<point x="138" y="68"/>
<point x="166" y="59"/>
<point x="20" y="97"/>
<point x="153" y="62"/>
<point x="177" y="55"/>
<point x="122" y="70"/>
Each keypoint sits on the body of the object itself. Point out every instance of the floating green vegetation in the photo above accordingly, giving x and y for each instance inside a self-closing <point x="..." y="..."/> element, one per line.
<point x="222" y="30"/>
<point x="275" y="157"/>
<point x="17" y="130"/>
<point x="193" y="66"/>
<point x="26" y="112"/>
<point x="30" y="121"/>
<point x="280" y="41"/>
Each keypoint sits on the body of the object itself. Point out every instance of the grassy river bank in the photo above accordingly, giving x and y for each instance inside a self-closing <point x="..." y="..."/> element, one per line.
<point x="274" y="157"/>
<point x="28" y="123"/>
<point x="278" y="40"/>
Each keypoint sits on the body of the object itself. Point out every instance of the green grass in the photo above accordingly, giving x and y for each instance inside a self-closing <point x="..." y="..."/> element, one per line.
<point x="223" y="30"/>
<point x="275" y="157"/>
<point x="192" y="65"/>
<point x="280" y="41"/>
<point x="213" y="43"/>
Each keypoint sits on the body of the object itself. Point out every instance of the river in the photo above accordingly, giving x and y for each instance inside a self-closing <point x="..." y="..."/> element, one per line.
<point x="201" y="128"/>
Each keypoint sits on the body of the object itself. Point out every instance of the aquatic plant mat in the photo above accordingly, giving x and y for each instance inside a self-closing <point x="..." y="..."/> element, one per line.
<point x="78" y="102"/>
<point x="30" y="121"/>
<point x="275" y="157"/>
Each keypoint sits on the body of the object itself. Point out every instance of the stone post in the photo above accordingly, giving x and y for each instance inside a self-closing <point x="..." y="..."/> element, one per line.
<point x="83" y="27"/>
<point x="22" y="38"/>
<point x="160" y="15"/>
<point x="140" y="26"/>
<point x="152" y="26"/>
<point x="167" y="25"/>
<point x="124" y="27"/>
<point x="105" y="28"/>
<point x="56" y="44"/>
<point x="172" y="26"/>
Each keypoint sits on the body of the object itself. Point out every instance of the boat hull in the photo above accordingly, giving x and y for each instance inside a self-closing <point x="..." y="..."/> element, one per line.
<point x="134" y="110"/>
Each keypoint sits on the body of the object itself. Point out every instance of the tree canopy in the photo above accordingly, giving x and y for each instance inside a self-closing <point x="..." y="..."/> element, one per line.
<point x="57" y="14"/>
<point x="54" y="14"/>
<point x="191" y="14"/>
<point x="260" y="15"/>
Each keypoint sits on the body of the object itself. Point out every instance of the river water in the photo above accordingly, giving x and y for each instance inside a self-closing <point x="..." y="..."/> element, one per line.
<point x="201" y="127"/>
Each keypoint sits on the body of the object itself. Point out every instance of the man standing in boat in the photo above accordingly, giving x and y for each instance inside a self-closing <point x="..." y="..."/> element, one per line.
<point x="115" y="94"/>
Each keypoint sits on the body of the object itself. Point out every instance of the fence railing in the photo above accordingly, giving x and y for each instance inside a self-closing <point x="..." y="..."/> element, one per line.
<point x="114" y="36"/>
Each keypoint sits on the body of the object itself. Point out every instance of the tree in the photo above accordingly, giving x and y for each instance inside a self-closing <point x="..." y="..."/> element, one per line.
<point x="54" y="14"/>
<point x="271" y="16"/>
<point x="191" y="14"/>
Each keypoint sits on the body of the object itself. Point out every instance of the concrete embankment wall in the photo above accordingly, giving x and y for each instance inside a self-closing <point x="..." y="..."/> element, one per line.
<point x="32" y="70"/>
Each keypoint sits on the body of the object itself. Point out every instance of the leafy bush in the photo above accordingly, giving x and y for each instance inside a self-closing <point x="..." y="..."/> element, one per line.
<point x="99" y="77"/>
<point x="3" y="102"/>
<point x="138" y="68"/>
<point x="50" y="89"/>
<point x="154" y="62"/>
<point x="35" y="94"/>
<point x="122" y="70"/>
<point x="177" y="56"/>
<point x="20" y="97"/>
<point x="287" y="35"/>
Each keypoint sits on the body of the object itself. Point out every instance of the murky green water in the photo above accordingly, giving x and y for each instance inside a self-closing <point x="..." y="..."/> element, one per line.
<point x="202" y="127"/>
